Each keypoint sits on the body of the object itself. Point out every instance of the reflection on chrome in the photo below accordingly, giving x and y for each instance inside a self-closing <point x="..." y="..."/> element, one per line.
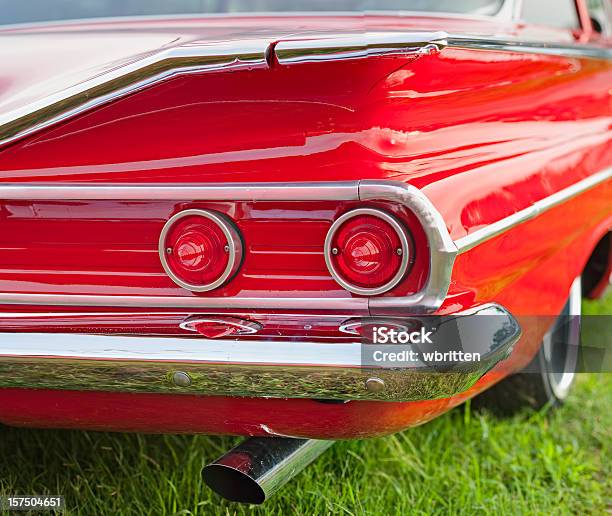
<point x="264" y="368"/>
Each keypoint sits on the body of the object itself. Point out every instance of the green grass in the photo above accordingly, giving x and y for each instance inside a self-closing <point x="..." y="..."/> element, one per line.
<point x="463" y="462"/>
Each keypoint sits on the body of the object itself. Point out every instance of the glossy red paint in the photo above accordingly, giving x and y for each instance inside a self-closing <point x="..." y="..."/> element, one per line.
<point x="190" y="414"/>
<point x="484" y="134"/>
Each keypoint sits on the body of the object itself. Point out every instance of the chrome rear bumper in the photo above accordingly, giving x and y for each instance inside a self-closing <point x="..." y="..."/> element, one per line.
<point x="248" y="368"/>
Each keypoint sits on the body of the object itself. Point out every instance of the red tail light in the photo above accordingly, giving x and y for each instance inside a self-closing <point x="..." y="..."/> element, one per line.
<point x="200" y="250"/>
<point x="367" y="251"/>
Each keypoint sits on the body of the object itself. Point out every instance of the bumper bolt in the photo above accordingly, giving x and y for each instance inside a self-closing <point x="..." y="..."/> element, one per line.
<point x="181" y="379"/>
<point x="375" y="385"/>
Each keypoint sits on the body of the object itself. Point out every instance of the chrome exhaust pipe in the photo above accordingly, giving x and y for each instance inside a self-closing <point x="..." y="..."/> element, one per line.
<point x="256" y="468"/>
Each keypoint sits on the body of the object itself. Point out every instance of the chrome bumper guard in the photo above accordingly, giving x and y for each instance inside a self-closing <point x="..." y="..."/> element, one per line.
<point x="249" y="368"/>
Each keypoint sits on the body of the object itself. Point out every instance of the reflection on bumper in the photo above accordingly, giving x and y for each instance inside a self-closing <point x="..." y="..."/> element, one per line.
<point x="280" y="369"/>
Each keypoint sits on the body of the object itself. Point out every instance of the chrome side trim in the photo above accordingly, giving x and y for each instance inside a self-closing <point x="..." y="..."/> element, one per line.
<point x="501" y="226"/>
<point x="372" y="44"/>
<point x="531" y="47"/>
<point x="441" y="246"/>
<point x="318" y="191"/>
<point x="358" y="46"/>
<point x="54" y="315"/>
<point x="129" y="78"/>
<point x="224" y="367"/>
<point x="357" y="304"/>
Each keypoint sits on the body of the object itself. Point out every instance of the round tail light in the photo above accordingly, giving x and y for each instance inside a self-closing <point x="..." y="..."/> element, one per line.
<point x="200" y="250"/>
<point x="367" y="251"/>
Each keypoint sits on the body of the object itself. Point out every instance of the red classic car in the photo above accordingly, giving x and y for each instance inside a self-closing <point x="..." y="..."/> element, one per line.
<point x="204" y="217"/>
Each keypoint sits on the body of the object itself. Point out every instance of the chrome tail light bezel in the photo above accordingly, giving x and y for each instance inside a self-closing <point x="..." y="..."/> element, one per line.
<point x="405" y="240"/>
<point x="234" y="242"/>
